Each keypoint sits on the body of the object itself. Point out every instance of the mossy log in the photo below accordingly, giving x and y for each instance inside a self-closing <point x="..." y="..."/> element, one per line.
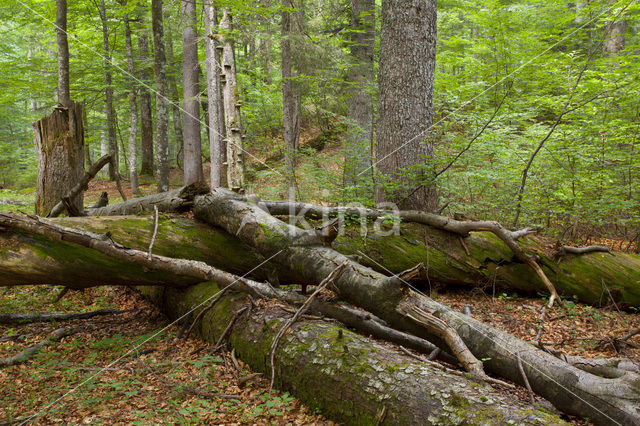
<point x="567" y="387"/>
<point x="391" y="299"/>
<point x="349" y="378"/>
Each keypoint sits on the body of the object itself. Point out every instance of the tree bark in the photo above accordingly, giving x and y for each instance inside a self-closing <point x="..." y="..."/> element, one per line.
<point x="108" y="93"/>
<point x="59" y="142"/>
<point x="162" y="101"/>
<point x="290" y="102"/>
<point x="133" y="108"/>
<point x="64" y="93"/>
<point x="347" y="376"/>
<point x="358" y="171"/>
<point x="214" y="97"/>
<point x="568" y="388"/>
<point x="233" y="123"/>
<point x="191" y="93"/>
<point x="407" y="65"/>
<point x="146" y="122"/>
<point x="175" y="100"/>
<point x="306" y="356"/>
<point x="81" y="186"/>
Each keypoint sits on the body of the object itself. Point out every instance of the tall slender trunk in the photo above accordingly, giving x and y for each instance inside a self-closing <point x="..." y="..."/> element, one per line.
<point x="407" y="67"/>
<point x="147" y="166"/>
<point x="214" y="99"/>
<point x="358" y="172"/>
<point x="233" y="123"/>
<point x="290" y="103"/>
<point x="108" y="94"/>
<point x="133" y="106"/>
<point x="162" y="102"/>
<point x="176" y="114"/>
<point x="59" y="138"/>
<point x="64" y="93"/>
<point x="192" y="144"/>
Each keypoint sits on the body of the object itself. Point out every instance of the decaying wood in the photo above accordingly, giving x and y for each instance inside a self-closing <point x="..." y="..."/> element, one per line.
<point x="332" y="369"/>
<point x="175" y="201"/>
<point x="568" y="388"/>
<point x="442" y="330"/>
<point x="299" y="312"/>
<point x="82" y="185"/>
<point x="462" y="228"/>
<point x="26" y="354"/>
<point x="564" y="250"/>
<point x="20" y="318"/>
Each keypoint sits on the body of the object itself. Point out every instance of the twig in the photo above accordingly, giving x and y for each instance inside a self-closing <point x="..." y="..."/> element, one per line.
<point x="61" y="295"/>
<point x="293" y="319"/>
<point x="206" y="309"/>
<point x="526" y="380"/>
<point x="631" y="334"/>
<point x="244" y="379"/>
<point x="610" y="295"/>
<point x="26" y="354"/>
<point x="155" y="232"/>
<point x="228" y="329"/>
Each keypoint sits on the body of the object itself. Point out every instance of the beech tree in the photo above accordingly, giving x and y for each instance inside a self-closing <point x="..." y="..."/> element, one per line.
<point x="162" y="101"/>
<point x="191" y="91"/>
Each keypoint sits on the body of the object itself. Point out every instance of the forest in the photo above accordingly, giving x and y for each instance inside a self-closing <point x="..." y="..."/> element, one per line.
<point x="320" y="212"/>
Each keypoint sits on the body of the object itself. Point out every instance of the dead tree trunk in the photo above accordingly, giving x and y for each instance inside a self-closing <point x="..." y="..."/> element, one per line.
<point x="568" y="388"/>
<point x="59" y="141"/>
<point x="214" y="99"/>
<point x="335" y="370"/>
<point x="233" y="124"/>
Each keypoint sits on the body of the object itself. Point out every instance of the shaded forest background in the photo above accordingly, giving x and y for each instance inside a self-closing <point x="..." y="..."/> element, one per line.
<point x="515" y="80"/>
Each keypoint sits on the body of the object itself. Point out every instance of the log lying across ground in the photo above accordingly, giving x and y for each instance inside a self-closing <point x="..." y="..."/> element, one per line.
<point x="348" y="377"/>
<point x="568" y="388"/>
<point x="305" y="257"/>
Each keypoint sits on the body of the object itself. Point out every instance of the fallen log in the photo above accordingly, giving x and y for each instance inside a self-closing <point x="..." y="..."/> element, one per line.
<point x="568" y="388"/>
<point x="175" y="201"/>
<point x="460" y="399"/>
<point x="480" y="258"/>
<point x="563" y="385"/>
<point x="348" y="377"/>
<point x="21" y="318"/>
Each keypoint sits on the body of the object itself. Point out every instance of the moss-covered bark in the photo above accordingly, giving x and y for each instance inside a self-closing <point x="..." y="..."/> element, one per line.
<point x="491" y="262"/>
<point x="348" y="377"/>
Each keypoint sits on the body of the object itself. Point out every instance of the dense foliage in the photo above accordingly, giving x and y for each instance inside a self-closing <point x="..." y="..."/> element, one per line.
<point x="511" y="77"/>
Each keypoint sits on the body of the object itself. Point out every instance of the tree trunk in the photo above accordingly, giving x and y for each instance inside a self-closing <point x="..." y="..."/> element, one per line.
<point x="290" y="103"/>
<point x="407" y="66"/>
<point x="233" y="123"/>
<point x="358" y="171"/>
<point x="614" y="37"/>
<point x="133" y="108"/>
<point x="162" y="102"/>
<point x="146" y="129"/>
<point x="568" y="388"/>
<point x="108" y="92"/>
<point x="214" y="99"/>
<point x="64" y="94"/>
<point x="350" y="378"/>
<point x="191" y="91"/>
<point x="305" y="359"/>
<point x="59" y="140"/>
<point x="175" y="100"/>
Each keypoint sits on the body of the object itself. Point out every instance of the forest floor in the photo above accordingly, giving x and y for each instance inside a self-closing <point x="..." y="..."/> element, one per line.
<point x="171" y="376"/>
